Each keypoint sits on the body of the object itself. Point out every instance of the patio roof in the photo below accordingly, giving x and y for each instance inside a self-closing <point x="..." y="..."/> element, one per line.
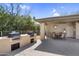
<point x="69" y="18"/>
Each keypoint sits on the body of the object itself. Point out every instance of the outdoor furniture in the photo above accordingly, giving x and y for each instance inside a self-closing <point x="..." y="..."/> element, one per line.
<point x="53" y="35"/>
<point x="63" y="35"/>
<point x="58" y="35"/>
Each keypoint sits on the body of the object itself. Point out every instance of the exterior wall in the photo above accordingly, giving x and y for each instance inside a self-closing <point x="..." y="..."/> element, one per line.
<point x="69" y="30"/>
<point x="60" y="28"/>
<point x="77" y="30"/>
<point x="5" y="46"/>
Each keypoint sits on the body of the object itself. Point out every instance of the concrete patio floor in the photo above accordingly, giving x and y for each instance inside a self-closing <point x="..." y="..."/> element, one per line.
<point x="68" y="47"/>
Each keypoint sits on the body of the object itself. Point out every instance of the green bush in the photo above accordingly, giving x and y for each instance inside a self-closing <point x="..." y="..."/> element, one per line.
<point x="11" y="22"/>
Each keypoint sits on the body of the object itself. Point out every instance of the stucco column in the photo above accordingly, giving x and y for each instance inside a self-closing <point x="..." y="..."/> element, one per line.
<point x="77" y="30"/>
<point x="42" y="31"/>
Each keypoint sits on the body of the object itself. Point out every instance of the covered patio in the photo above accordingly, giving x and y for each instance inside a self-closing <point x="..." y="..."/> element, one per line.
<point x="61" y="27"/>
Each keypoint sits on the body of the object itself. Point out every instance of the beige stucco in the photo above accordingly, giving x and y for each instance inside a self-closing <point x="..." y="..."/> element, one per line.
<point x="5" y="42"/>
<point x="24" y="40"/>
<point x="5" y="45"/>
<point x="77" y="30"/>
<point x="42" y="31"/>
<point x="49" y="28"/>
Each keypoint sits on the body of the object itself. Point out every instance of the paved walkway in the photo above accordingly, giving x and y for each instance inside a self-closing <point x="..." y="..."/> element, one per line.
<point x="32" y="52"/>
<point x="35" y="53"/>
<point x="61" y="47"/>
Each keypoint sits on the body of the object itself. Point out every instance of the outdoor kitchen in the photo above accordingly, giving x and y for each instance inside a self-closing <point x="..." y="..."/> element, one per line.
<point x="14" y="41"/>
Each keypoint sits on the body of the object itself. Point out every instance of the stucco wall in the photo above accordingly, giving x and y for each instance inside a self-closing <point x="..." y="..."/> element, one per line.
<point x="49" y="28"/>
<point x="42" y="31"/>
<point x="24" y="40"/>
<point x="5" y="46"/>
<point x="77" y="30"/>
<point x="69" y="30"/>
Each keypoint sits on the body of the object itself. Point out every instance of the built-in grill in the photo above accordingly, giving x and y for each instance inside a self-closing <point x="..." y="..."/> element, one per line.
<point x="14" y="35"/>
<point x="31" y="33"/>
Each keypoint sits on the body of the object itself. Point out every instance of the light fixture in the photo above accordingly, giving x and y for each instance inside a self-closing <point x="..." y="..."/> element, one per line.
<point x="64" y="31"/>
<point x="55" y="26"/>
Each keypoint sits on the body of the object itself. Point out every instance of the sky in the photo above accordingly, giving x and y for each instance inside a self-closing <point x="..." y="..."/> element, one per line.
<point x="43" y="10"/>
